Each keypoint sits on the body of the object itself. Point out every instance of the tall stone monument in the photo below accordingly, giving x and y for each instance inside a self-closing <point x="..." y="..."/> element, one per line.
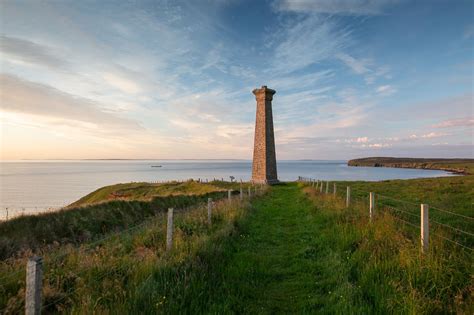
<point x="264" y="168"/>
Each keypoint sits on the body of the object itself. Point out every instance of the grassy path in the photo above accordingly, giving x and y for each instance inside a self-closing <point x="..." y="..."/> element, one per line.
<point x="275" y="268"/>
<point x="305" y="254"/>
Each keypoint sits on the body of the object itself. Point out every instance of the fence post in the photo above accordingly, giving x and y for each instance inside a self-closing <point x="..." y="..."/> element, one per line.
<point x="241" y="193"/>
<point x="34" y="279"/>
<point x="371" y="205"/>
<point x="425" y="228"/>
<point x="209" y="211"/>
<point x="327" y="187"/>
<point x="250" y="191"/>
<point x="169" y="230"/>
<point x="321" y="187"/>
<point x="348" y="196"/>
<point x="334" y="192"/>
<point x="229" y="195"/>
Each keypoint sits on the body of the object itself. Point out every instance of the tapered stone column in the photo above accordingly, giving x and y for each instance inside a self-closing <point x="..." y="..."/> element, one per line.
<point x="264" y="168"/>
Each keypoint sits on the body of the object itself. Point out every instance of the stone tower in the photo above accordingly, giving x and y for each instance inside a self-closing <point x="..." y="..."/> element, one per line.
<point x="264" y="168"/>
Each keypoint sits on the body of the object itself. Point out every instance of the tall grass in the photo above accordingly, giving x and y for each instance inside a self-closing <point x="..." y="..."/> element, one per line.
<point x="384" y="263"/>
<point x="80" y="225"/>
<point x="126" y="272"/>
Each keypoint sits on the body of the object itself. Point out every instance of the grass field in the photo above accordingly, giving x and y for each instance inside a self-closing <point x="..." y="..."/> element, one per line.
<point x="293" y="250"/>
<point x="114" y="273"/>
<point x="460" y="166"/>
<point x="149" y="191"/>
<point x="301" y="252"/>
<point x="99" y="214"/>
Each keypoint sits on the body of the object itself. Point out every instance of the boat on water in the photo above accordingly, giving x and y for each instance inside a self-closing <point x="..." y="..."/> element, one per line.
<point x="156" y="166"/>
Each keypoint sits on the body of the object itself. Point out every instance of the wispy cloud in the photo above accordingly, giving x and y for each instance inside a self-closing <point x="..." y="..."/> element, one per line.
<point x="31" y="98"/>
<point x="459" y="122"/>
<point x="358" y="66"/>
<point x="308" y="41"/>
<point x="22" y="50"/>
<point x="386" y="90"/>
<point x="343" y="7"/>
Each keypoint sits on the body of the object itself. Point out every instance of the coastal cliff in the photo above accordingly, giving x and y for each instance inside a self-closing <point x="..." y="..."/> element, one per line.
<point x="457" y="166"/>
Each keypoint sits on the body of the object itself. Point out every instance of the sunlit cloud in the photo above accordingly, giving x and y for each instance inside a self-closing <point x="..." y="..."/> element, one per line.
<point x="174" y="79"/>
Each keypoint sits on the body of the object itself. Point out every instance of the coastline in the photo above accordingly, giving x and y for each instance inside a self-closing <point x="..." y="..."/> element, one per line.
<point x="453" y="166"/>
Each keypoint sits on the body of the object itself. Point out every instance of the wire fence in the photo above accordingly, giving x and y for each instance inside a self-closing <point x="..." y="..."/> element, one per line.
<point x="9" y="212"/>
<point x="15" y="278"/>
<point x="453" y="227"/>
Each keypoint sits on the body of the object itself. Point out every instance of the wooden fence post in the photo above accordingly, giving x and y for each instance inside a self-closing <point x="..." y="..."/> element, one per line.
<point x="425" y="228"/>
<point x="209" y="211"/>
<point x="250" y="191"/>
<point x="229" y="195"/>
<point x="327" y="187"/>
<point x="241" y="193"/>
<point x="34" y="279"/>
<point x="169" y="230"/>
<point x="348" y="196"/>
<point x="371" y="205"/>
<point x="321" y="187"/>
<point x="335" y="187"/>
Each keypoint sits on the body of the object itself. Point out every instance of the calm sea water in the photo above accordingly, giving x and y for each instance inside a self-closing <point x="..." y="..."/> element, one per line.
<point x="36" y="185"/>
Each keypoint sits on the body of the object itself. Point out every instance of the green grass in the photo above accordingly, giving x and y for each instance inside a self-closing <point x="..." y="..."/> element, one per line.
<point x="97" y="214"/>
<point x="149" y="191"/>
<point x="454" y="194"/>
<point x="112" y="274"/>
<point x="291" y="251"/>
<point x="306" y="254"/>
<point x="464" y="166"/>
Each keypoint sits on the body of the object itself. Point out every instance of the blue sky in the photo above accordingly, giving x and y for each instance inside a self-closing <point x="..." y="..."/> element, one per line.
<point x="173" y="79"/>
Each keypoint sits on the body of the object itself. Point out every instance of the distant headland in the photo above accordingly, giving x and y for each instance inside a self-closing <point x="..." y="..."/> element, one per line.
<point x="457" y="166"/>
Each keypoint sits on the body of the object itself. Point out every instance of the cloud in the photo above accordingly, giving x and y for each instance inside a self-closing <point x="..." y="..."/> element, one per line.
<point x="308" y="41"/>
<point x="342" y="7"/>
<point x="17" y="49"/>
<point x="41" y="100"/>
<point x="122" y="83"/>
<point x="300" y="82"/>
<point x="451" y="123"/>
<point x="433" y="135"/>
<point x="358" y="66"/>
<point x="365" y="66"/>
<point x="379" y="145"/>
<point x="386" y="90"/>
<point x="429" y="135"/>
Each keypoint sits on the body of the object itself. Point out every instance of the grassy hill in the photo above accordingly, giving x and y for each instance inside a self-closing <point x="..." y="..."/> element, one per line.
<point x="292" y="250"/>
<point x="460" y="166"/>
<point x="104" y="211"/>
<point x="148" y="191"/>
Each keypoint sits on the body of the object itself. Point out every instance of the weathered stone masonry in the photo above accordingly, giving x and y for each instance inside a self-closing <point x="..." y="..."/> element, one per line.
<point x="264" y="168"/>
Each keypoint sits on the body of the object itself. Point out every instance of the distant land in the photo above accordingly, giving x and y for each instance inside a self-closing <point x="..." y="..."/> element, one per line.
<point x="457" y="166"/>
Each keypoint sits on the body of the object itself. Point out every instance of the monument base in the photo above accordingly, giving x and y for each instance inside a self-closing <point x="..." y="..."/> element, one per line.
<point x="265" y="181"/>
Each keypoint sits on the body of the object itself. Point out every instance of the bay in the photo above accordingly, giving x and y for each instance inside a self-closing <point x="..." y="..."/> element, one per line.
<point x="33" y="186"/>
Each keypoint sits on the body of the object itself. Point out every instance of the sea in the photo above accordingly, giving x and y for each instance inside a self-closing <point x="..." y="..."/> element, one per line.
<point x="28" y="186"/>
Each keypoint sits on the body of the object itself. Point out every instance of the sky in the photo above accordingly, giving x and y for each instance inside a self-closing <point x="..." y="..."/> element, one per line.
<point x="174" y="79"/>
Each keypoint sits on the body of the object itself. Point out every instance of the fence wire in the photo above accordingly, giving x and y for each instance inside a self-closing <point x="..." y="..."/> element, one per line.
<point x="356" y="195"/>
<point x="55" y="260"/>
